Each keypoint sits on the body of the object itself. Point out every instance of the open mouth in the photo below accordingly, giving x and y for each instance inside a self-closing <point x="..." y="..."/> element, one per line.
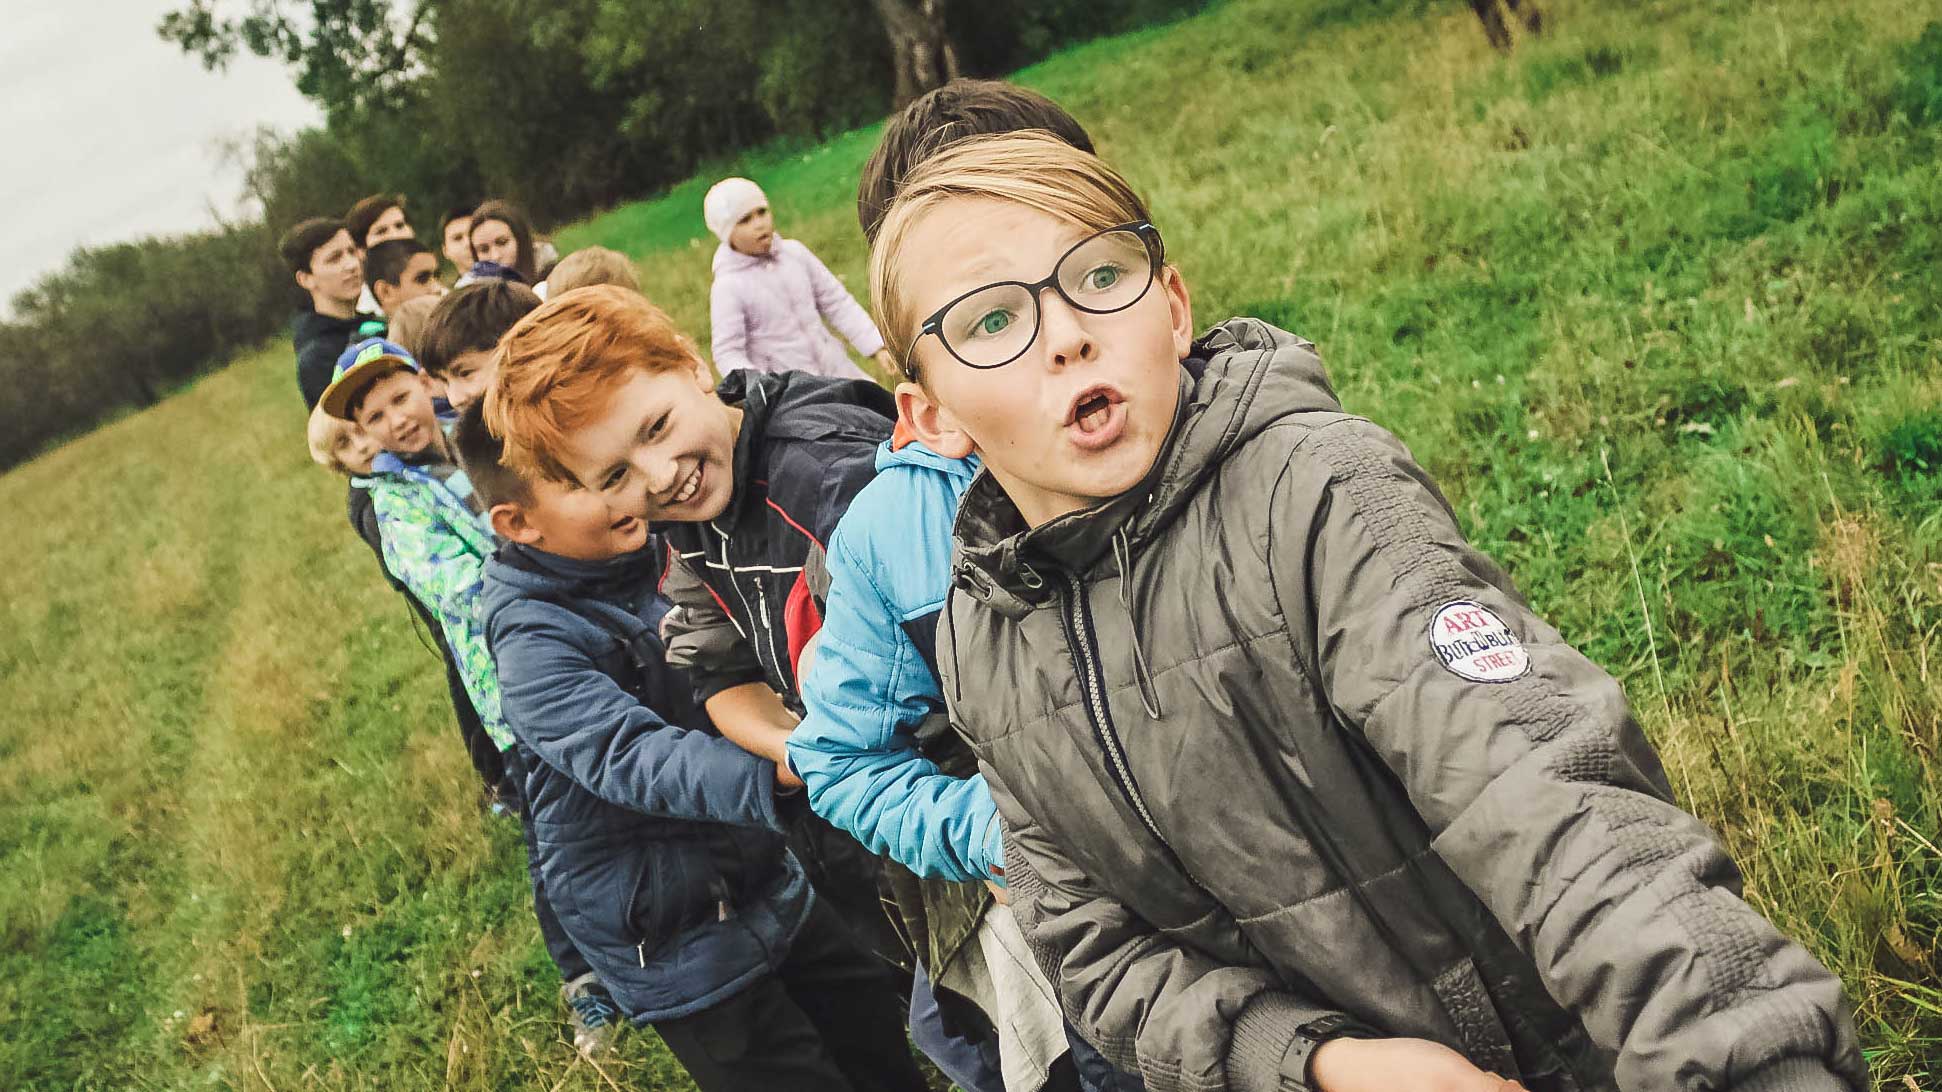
<point x="1096" y="417"/>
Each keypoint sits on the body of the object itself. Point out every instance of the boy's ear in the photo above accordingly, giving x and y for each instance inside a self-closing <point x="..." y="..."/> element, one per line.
<point x="931" y="423"/>
<point x="1180" y="310"/>
<point x="306" y="280"/>
<point x="509" y="522"/>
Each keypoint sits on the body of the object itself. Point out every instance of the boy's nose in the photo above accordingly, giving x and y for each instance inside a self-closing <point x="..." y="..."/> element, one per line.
<point x="1064" y="334"/>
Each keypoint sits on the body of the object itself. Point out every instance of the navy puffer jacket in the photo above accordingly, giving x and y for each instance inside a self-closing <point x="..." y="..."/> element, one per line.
<point x="660" y="842"/>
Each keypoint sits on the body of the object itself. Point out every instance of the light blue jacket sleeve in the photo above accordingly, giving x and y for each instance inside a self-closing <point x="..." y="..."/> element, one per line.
<point x="869" y="687"/>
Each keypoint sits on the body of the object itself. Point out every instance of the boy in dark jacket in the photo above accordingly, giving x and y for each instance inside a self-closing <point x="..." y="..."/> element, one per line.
<point x="596" y="388"/>
<point x="661" y="844"/>
<point x="328" y="267"/>
<point x="1284" y="764"/>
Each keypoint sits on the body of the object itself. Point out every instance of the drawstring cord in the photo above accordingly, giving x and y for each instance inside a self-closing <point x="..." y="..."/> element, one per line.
<point x="1142" y="674"/>
<point x="957" y="673"/>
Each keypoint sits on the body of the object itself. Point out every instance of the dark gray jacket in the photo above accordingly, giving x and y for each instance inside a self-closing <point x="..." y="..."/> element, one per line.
<point x="1271" y="741"/>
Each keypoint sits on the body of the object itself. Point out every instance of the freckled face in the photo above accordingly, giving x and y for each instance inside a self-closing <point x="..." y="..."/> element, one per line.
<point x="662" y="449"/>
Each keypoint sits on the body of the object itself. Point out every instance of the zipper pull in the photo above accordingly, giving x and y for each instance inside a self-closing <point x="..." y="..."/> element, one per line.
<point x="721" y="910"/>
<point x="640" y="953"/>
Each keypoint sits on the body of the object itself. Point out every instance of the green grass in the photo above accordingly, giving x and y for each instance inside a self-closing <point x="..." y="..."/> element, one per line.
<point x="1658" y="300"/>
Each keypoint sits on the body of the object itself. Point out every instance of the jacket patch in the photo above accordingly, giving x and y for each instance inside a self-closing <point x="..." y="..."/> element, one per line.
<point x="1473" y="643"/>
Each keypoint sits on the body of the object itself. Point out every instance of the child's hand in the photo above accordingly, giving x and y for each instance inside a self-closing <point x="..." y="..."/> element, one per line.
<point x="1384" y="1065"/>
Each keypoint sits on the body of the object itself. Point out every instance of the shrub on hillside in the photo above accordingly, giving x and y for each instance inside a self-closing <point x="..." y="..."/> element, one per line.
<point x="122" y="325"/>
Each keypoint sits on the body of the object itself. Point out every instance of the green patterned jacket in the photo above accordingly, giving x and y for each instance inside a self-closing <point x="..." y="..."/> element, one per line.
<point x="437" y="546"/>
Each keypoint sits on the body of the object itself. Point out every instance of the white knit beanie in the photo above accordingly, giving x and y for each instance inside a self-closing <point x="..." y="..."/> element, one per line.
<point x="728" y="201"/>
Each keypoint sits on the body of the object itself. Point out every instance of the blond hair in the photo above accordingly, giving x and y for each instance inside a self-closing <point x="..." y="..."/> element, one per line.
<point x="590" y="266"/>
<point x="559" y="365"/>
<point x="406" y="324"/>
<point x="1031" y="168"/>
<point x="323" y="434"/>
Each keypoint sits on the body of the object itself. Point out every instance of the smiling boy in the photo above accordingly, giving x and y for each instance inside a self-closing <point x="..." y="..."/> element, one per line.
<point x="662" y="844"/>
<point x="746" y="480"/>
<point x="1285" y="765"/>
<point x="436" y="542"/>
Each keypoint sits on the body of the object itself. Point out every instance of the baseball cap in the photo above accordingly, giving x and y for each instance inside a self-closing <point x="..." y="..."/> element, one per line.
<point x="360" y="366"/>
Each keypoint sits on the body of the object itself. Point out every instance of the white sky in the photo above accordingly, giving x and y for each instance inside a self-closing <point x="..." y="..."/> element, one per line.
<point x="109" y="133"/>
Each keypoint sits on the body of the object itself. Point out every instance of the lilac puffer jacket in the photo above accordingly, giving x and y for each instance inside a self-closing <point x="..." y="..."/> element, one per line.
<point x="768" y="314"/>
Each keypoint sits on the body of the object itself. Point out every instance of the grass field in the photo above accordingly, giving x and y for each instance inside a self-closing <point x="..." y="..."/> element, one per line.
<point x="1658" y="300"/>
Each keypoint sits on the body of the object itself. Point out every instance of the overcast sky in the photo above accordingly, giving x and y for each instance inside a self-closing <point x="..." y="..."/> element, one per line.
<point x="108" y="133"/>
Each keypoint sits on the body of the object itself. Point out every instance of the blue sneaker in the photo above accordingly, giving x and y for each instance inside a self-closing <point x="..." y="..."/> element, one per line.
<point x="595" y="1019"/>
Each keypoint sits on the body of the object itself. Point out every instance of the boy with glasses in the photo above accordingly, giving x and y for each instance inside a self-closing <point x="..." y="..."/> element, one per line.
<point x="1297" y="792"/>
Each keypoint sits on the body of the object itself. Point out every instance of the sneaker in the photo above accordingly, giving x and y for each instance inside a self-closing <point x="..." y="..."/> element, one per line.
<point x="595" y="1019"/>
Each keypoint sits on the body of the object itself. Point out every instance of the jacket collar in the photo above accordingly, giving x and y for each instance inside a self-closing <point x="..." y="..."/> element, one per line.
<point x="597" y="579"/>
<point x="890" y="453"/>
<point x="730" y="260"/>
<point x="1253" y="375"/>
<point x="756" y="394"/>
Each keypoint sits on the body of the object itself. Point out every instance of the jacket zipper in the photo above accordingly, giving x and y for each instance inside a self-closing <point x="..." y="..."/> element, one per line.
<point x="766" y="647"/>
<point x="1080" y="634"/>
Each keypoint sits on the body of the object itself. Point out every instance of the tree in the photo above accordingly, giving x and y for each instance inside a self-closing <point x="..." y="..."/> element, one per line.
<point x="350" y="56"/>
<point x="920" y="46"/>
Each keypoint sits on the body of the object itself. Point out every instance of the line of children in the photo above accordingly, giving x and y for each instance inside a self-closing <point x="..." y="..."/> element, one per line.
<point x="344" y="448"/>
<point x="435" y="542"/>
<point x="1199" y="620"/>
<point x="662" y="843"/>
<point x="744" y="479"/>
<point x="1203" y="620"/>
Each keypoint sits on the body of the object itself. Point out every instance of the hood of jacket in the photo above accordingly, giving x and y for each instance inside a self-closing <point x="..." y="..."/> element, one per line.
<point x="913" y="453"/>
<point x="1241" y="377"/>
<point x="778" y="407"/>
<point x="519" y="572"/>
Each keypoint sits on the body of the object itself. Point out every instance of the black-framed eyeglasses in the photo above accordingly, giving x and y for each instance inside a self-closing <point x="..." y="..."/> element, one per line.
<point x="992" y="326"/>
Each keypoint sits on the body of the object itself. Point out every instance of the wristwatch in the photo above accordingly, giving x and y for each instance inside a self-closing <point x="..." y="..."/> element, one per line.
<point x="1314" y="1033"/>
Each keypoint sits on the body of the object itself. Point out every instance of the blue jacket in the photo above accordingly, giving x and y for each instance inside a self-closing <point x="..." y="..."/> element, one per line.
<point x="874" y="679"/>
<point x="659" y="843"/>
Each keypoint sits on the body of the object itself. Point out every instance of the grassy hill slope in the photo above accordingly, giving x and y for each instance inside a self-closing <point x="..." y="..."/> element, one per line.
<point x="1658" y="301"/>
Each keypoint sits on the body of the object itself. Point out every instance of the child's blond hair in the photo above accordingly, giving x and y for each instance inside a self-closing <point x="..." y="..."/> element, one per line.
<point x="406" y="324"/>
<point x="590" y="266"/>
<point x="560" y="364"/>
<point x="1031" y="168"/>
<point x="324" y="433"/>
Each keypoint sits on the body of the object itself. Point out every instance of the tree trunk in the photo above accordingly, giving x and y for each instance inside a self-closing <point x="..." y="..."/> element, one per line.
<point x="920" y="47"/>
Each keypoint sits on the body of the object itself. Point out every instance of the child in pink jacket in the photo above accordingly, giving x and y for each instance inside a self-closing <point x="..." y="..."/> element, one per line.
<point x="772" y="296"/>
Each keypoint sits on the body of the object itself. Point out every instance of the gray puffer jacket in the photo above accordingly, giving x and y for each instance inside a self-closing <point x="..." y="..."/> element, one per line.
<point x="1273" y="743"/>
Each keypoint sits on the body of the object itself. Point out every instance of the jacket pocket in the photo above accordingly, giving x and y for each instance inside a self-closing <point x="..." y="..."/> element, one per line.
<point x="670" y="894"/>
